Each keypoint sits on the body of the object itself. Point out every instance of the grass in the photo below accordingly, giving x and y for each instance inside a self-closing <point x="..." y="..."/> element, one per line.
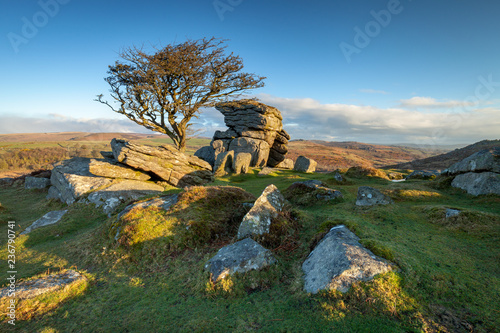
<point x="447" y="277"/>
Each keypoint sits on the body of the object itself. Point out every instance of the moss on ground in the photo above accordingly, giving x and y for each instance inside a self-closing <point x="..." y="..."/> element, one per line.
<point x="153" y="278"/>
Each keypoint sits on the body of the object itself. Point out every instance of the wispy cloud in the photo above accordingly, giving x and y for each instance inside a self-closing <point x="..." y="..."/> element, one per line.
<point x="385" y="125"/>
<point x="373" y="91"/>
<point x="431" y="103"/>
<point x="306" y="118"/>
<point x="60" y="123"/>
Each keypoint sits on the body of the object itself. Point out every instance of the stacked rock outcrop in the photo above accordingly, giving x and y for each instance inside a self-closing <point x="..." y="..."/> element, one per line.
<point x="253" y="128"/>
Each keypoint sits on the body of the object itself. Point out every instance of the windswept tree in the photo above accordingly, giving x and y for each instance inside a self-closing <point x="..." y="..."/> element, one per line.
<point x="164" y="90"/>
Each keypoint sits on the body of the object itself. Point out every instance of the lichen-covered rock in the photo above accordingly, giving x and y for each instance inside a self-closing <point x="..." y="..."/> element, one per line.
<point x="338" y="177"/>
<point x="253" y="128"/>
<point x="258" y="220"/>
<point x="259" y="150"/>
<point x="163" y="202"/>
<point x="206" y="153"/>
<point x="48" y="219"/>
<point x="368" y="196"/>
<point x="266" y="171"/>
<point x="478" y="183"/>
<point x="35" y="182"/>
<point x="71" y="179"/>
<point x="338" y="261"/>
<point x="112" y="196"/>
<point x="422" y="174"/>
<point x="304" y="164"/>
<point x="224" y="163"/>
<point x="484" y="160"/>
<point x="114" y="170"/>
<point x="311" y="191"/>
<point x="239" y="257"/>
<point x="165" y="161"/>
<point x="49" y="283"/>
<point x="287" y="163"/>
<point x="241" y="163"/>
<point x="248" y="114"/>
<point x="220" y="146"/>
<point x="279" y="149"/>
<point x="451" y="213"/>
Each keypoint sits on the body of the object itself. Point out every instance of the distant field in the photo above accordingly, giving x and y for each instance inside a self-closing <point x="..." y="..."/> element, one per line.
<point x="24" y="152"/>
<point x="339" y="155"/>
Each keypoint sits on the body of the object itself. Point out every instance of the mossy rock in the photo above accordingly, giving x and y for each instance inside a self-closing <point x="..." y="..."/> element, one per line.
<point x="361" y="172"/>
<point x="302" y="194"/>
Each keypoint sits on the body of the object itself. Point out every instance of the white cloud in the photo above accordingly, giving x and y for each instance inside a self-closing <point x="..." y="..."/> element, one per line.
<point x="384" y="125"/>
<point x="373" y="91"/>
<point x="431" y="103"/>
<point x="306" y="118"/>
<point x="60" y="123"/>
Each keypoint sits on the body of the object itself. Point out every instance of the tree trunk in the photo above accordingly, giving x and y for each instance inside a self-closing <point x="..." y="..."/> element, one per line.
<point x="182" y="141"/>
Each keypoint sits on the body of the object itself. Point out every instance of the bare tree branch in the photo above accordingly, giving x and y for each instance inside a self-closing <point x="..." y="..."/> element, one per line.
<point x="164" y="90"/>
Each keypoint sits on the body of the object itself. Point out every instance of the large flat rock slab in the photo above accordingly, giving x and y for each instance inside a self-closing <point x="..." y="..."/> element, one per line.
<point x="49" y="283"/>
<point x="239" y="257"/>
<point x="71" y="179"/>
<point x="338" y="261"/>
<point x="478" y="183"/>
<point x="258" y="220"/>
<point x="165" y="162"/>
<point x="48" y="219"/>
<point x="482" y="161"/>
<point x="115" y="170"/>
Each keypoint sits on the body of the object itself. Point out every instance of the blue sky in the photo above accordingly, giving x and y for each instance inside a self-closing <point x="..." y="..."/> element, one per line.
<point x="373" y="71"/>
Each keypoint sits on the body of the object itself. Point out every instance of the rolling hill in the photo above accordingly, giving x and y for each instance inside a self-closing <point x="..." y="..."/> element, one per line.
<point x="443" y="161"/>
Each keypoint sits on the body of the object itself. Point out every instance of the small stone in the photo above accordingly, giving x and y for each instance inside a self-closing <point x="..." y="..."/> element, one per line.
<point x="338" y="177"/>
<point x="452" y="212"/>
<point x="422" y="174"/>
<point x="258" y="220"/>
<point x="287" y="163"/>
<point x="266" y="171"/>
<point x="35" y="182"/>
<point x="239" y="257"/>
<point x="368" y="196"/>
<point x="48" y="219"/>
<point x="32" y="288"/>
<point x="304" y="164"/>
